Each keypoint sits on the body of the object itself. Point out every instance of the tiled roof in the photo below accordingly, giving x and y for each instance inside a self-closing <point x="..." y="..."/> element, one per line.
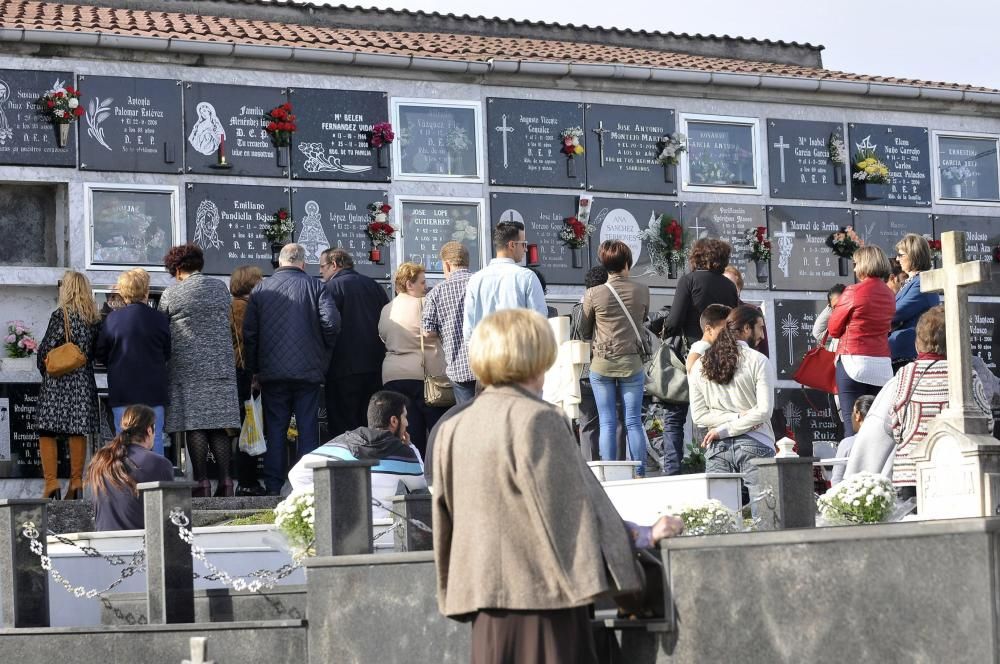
<point x="57" y="16"/>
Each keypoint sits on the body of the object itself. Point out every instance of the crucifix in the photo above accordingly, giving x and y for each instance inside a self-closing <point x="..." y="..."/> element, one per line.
<point x="954" y="278"/>
<point x="786" y="242"/>
<point x="782" y="146"/>
<point x="504" y="130"/>
<point x="697" y="228"/>
<point x="600" y="131"/>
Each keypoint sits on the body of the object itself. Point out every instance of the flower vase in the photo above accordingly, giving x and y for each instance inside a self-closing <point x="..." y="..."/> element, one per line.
<point x="282" y="154"/>
<point x="577" y="253"/>
<point x="761" y="267"/>
<point x="936" y="261"/>
<point x="672" y="270"/>
<point x="955" y="190"/>
<point x="275" y="251"/>
<point x="668" y="174"/>
<point x="839" y="176"/>
<point x="570" y="167"/>
<point x="380" y="156"/>
<point x="868" y="191"/>
<point x="842" y="266"/>
<point x="375" y="255"/>
<point x="63" y="132"/>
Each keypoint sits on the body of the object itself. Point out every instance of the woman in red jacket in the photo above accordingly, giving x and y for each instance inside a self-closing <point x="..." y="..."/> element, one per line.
<point x="861" y="320"/>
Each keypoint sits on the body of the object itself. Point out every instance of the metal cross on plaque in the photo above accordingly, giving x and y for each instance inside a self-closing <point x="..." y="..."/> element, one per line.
<point x="600" y="131"/>
<point x="698" y="228"/>
<point x="781" y="146"/>
<point x="504" y="130"/>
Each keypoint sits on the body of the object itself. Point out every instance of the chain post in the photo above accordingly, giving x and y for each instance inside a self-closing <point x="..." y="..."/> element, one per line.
<point x="169" y="580"/>
<point x="24" y="597"/>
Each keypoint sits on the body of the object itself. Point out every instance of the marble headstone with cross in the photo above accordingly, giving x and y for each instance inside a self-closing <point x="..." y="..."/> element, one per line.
<point x="958" y="463"/>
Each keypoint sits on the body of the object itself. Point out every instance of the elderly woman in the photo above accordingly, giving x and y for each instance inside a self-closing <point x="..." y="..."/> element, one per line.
<point x="411" y="353"/>
<point x="902" y="412"/>
<point x="525" y="538"/>
<point x="861" y="321"/>
<point x="914" y="254"/>
<point x="202" y="374"/>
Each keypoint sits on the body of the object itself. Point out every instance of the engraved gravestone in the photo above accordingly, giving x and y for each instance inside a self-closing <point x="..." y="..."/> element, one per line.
<point x="800" y="259"/>
<point x="983" y="318"/>
<point x="543" y="217"/>
<point x="906" y="153"/>
<point x="524" y="139"/>
<point x="18" y="436"/>
<point x="967" y="168"/>
<point x="437" y="141"/>
<point x="131" y="124"/>
<point x="982" y="235"/>
<point x="794" y="320"/>
<point x="729" y="222"/>
<point x="627" y="220"/>
<point x="885" y="228"/>
<point x="812" y="417"/>
<point x="800" y="163"/>
<point x="227" y="222"/>
<point x="338" y="218"/>
<point x="425" y="226"/>
<point x="332" y="141"/>
<point x="27" y="137"/>
<point x="623" y="148"/>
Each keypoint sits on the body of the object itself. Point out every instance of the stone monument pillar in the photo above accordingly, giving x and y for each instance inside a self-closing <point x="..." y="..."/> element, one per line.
<point x="958" y="463"/>
<point x="562" y="381"/>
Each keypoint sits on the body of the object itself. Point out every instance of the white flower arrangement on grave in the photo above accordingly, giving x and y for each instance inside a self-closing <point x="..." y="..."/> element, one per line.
<point x="958" y="174"/>
<point x="864" y="498"/>
<point x="571" y="141"/>
<point x="295" y="517"/>
<point x="671" y="146"/>
<point x="709" y="517"/>
<point x="837" y="149"/>
<point x="458" y="140"/>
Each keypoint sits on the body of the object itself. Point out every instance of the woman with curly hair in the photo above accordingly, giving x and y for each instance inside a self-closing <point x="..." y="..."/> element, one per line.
<point x="202" y="377"/>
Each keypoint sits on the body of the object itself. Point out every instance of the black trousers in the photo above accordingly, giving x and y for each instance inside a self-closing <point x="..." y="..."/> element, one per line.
<point x="347" y="400"/>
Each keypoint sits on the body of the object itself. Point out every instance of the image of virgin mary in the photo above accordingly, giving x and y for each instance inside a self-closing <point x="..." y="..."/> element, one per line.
<point x="207" y="130"/>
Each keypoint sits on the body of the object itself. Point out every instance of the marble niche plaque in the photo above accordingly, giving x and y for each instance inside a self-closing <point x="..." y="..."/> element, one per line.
<point x="524" y="140"/>
<point x="794" y="320"/>
<point x="967" y="168"/>
<point x="884" y="228"/>
<point x="626" y="219"/>
<point x="799" y="163"/>
<point x="811" y="415"/>
<point x="623" y="149"/>
<point x="982" y="235"/>
<point x="131" y="227"/>
<point x="800" y="259"/>
<point x="543" y="217"/>
<point x="729" y="222"/>
<point x="425" y="225"/>
<point x="27" y="138"/>
<point x="18" y="435"/>
<point x="436" y="141"/>
<point x="721" y="154"/>
<point x="906" y="152"/>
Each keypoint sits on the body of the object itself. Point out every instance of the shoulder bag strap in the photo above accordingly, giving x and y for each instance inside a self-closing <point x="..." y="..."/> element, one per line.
<point x="238" y="336"/>
<point x="628" y="317"/>
<point x="420" y="333"/>
<point x="66" y="325"/>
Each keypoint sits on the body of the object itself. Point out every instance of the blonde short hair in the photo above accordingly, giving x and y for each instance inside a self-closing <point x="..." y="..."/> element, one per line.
<point x="871" y="261"/>
<point x="406" y="273"/>
<point x="917" y="249"/>
<point x="133" y="285"/>
<point x="511" y="346"/>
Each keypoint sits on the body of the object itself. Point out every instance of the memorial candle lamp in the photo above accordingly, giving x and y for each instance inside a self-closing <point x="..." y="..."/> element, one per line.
<point x="844" y="243"/>
<point x="996" y="253"/>
<point x="571" y="147"/>
<point x="935" y="246"/>
<point x="759" y="250"/>
<point x="61" y="105"/>
<point x="380" y="231"/>
<point x="533" y="257"/>
<point x="381" y="135"/>
<point x="222" y="162"/>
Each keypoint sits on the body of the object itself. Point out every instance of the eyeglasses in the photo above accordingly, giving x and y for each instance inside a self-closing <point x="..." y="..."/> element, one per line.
<point x="524" y="242"/>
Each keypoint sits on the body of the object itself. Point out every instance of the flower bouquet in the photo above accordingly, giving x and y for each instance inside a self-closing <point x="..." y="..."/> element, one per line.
<point x="844" y="243"/>
<point x="574" y="234"/>
<point x="19" y="342"/>
<point x="759" y="250"/>
<point x="864" y="498"/>
<point x="458" y="142"/>
<point x="380" y="232"/>
<point x="280" y="126"/>
<point x="935" y="246"/>
<point x="665" y="239"/>
<point x="670" y="148"/>
<point x="870" y="174"/>
<point x="295" y="517"/>
<point x="954" y="178"/>
<point x="571" y="148"/>
<point x="838" y="157"/>
<point x="62" y="106"/>
<point x="381" y="136"/>
<point x="279" y="229"/>
<point x="709" y="517"/>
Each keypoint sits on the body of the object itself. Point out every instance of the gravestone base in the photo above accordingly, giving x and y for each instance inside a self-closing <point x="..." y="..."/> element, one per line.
<point x="958" y="474"/>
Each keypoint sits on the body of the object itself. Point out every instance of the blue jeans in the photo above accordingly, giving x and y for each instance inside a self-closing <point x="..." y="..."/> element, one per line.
<point x="606" y="393"/>
<point x="674" y="418"/>
<point x="464" y="392"/>
<point x="278" y="401"/>
<point x="733" y="455"/>
<point x="157" y="429"/>
<point x="849" y="390"/>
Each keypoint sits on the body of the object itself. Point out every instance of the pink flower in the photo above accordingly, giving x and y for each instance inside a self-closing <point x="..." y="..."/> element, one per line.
<point x="10" y="338"/>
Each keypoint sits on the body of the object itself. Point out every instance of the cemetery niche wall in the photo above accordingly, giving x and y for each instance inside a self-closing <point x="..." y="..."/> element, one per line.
<point x="543" y="217"/>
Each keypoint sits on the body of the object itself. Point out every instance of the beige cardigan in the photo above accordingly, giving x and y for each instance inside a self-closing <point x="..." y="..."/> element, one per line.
<point x="399" y="327"/>
<point x="520" y="521"/>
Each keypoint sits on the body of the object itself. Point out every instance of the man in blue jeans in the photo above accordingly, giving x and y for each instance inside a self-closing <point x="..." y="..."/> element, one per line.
<point x="289" y="331"/>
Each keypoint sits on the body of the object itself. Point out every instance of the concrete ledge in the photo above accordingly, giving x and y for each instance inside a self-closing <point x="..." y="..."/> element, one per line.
<point x="381" y="559"/>
<point x="179" y="627"/>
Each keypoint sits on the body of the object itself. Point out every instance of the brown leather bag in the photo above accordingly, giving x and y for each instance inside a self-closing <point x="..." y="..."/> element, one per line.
<point x="66" y="357"/>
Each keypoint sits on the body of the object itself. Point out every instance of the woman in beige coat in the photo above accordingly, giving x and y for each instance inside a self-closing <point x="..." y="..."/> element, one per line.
<point x="525" y="539"/>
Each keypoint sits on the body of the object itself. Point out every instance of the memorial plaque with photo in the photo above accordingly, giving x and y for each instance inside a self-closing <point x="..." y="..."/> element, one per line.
<point x="884" y="228"/>
<point x="228" y="221"/>
<point x="811" y="415"/>
<point x="436" y="141"/>
<point x="338" y="218"/>
<point x="131" y="227"/>
<point x="794" y="320"/>
<point x="906" y="152"/>
<point x="968" y="168"/>
<point x="18" y="436"/>
<point x="425" y="226"/>
<point x="727" y="222"/>
<point x="982" y="235"/>
<point x="627" y="220"/>
<point x="623" y="149"/>
<point x="543" y="218"/>
<point x="229" y="120"/>
<point x="798" y="157"/>
<point x="800" y="259"/>
<point x="721" y="154"/>
<point x="27" y="138"/>
<point x="332" y="141"/>
<point x="131" y="124"/>
<point x="524" y="139"/>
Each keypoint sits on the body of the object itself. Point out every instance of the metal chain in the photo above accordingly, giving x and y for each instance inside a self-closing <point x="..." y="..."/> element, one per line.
<point x="420" y="525"/>
<point x="90" y="551"/>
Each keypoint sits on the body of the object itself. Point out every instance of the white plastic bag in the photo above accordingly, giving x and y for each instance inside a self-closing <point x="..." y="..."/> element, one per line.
<point x="252" y="440"/>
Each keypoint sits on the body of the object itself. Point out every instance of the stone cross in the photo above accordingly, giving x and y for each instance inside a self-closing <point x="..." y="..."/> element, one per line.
<point x="782" y="146"/>
<point x="504" y="130"/>
<point x="954" y="277"/>
<point x="600" y="131"/>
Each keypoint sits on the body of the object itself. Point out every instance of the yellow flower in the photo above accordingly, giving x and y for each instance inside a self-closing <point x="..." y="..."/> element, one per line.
<point x="871" y="170"/>
<point x="861" y="164"/>
<point x="578" y="149"/>
<point x="884" y="172"/>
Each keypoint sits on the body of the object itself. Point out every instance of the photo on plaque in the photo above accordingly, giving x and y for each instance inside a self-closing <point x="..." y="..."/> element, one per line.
<point x="800" y="258"/>
<point x="898" y="165"/>
<point x="721" y="153"/>
<point x="544" y="216"/>
<point x="27" y="137"/>
<point x="812" y="417"/>
<point x="967" y="168"/>
<point x="437" y="140"/>
<point x="807" y="160"/>
<point x="425" y="224"/>
<point x="626" y="149"/>
<point x="130" y="225"/>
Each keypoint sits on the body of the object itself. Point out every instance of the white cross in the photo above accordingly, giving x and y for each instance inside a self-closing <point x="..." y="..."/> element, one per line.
<point x="954" y="277"/>
<point x="600" y="139"/>
<point x="504" y="130"/>
<point x="782" y="146"/>
<point x="786" y="242"/>
<point x="698" y="229"/>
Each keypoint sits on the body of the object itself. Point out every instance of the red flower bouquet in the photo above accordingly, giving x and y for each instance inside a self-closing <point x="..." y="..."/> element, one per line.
<point x="382" y="134"/>
<point x="281" y="124"/>
<point x="61" y="104"/>
<point x="758" y="244"/>
<point x="281" y="226"/>
<point x="380" y="231"/>
<point x="575" y="233"/>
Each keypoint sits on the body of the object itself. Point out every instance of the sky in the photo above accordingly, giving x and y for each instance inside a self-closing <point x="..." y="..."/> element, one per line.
<point x="956" y="41"/>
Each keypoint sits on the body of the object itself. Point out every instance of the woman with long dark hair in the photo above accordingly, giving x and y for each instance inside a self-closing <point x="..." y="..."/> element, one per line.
<point x="117" y="469"/>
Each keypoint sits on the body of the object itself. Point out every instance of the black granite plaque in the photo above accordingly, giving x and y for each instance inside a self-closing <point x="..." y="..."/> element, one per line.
<point x="334" y="133"/>
<point x="437" y="141"/>
<point x="983" y="318"/>
<point x="800" y="259"/>
<point x="228" y="221"/>
<point x="18" y="436"/>
<point x="906" y="152"/>
<point x="427" y="225"/>
<point x="721" y="154"/>
<point x="982" y="235"/>
<point x="810" y="415"/>
<point x="131" y="227"/>
<point x="26" y="135"/>
<point x="131" y="124"/>
<point x="524" y="139"/>
<point x="623" y="149"/>
<point x="798" y="157"/>
<point x="729" y="222"/>
<point x="338" y="218"/>
<point x="28" y="213"/>
<point x="885" y="228"/>
<point x="626" y="220"/>
<point x="230" y="118"/>
<point x="543" y="217"/>
<point x="794" y="320"/>
<point x="968" y="168"/>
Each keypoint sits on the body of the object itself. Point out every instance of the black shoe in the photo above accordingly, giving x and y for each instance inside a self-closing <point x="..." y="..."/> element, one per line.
<point x="254" y="489"/>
